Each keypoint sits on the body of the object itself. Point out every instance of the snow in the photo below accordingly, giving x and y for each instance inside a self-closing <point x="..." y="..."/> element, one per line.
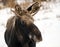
<point x="5" y="14"/>
<point x="47" y="20"/>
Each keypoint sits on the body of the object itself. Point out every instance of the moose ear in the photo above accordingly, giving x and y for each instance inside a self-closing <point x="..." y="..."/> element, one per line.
<point x="17" y="8"/>
<point x="34" y="8"/>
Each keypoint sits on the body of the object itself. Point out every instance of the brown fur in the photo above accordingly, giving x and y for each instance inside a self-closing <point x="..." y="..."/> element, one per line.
<point x="24" y="15"/>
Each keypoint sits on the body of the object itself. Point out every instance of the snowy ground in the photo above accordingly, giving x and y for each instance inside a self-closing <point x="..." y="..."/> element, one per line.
<point x="47" y="20"/>
<point x="5" y="14"/>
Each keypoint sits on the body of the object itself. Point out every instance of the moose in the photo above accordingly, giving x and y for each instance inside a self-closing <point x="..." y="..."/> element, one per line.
<point x="20" y="29"/>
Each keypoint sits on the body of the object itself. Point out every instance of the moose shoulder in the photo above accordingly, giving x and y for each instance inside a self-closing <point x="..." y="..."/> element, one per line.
<point x="20" y="30"/>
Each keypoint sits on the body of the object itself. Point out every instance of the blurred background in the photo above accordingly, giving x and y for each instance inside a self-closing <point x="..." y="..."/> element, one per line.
<point x="47" y="20"/>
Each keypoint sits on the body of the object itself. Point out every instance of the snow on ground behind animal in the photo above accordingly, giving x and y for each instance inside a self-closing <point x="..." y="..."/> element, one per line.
<point x="5" y="14"/>
<point x="47" y="20"/>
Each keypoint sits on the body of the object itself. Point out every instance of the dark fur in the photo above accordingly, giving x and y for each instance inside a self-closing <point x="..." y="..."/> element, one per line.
<point x="17" y="32"/>
<point x="12" y="35"/>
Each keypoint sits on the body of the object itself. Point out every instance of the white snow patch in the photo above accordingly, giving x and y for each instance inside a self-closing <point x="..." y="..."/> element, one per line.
<point x="5" y="14"/>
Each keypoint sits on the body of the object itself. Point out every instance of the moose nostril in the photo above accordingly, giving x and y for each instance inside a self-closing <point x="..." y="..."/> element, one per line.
<point x="30" y="36"/>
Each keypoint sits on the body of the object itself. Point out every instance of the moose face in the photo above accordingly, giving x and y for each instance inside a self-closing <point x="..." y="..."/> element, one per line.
<point x="21" y="31"/>
<point x="26" y="18"/>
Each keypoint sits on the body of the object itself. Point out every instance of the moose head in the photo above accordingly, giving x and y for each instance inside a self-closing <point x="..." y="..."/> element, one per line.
<point x="21" y="31"/>
<point x="26" y="17"/>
